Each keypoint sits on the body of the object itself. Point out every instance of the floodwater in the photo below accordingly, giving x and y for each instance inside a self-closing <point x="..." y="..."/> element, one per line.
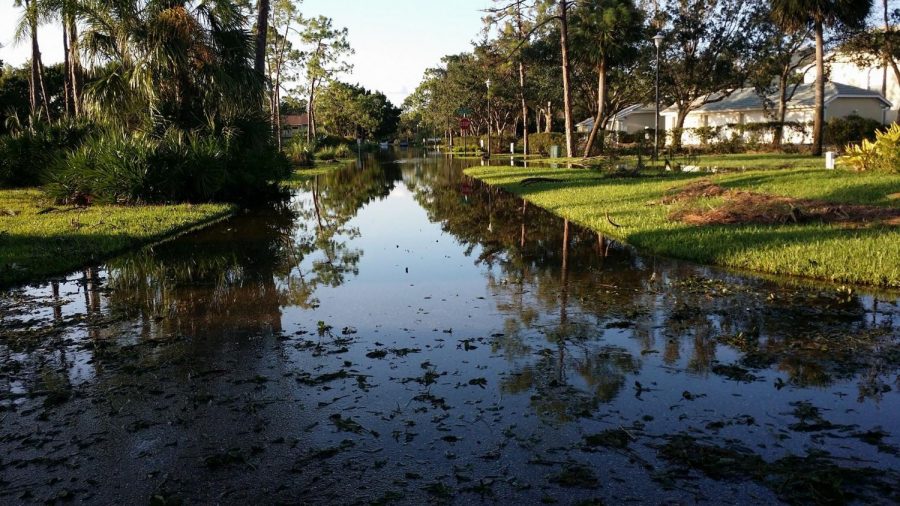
<point x="399" y="333"/>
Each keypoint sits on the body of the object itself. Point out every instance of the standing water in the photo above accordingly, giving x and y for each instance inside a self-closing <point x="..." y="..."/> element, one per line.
<point x="400" y="333"/>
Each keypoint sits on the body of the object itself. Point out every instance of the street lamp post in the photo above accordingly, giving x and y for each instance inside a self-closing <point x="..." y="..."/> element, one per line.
<point x="658" y="40"/>
<point x="488" y="83"/>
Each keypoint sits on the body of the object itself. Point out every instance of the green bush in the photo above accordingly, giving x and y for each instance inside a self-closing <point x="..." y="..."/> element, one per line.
<point x="539" y="143"/>
<point x="840" y="132"/>
<point x="176" y="166"/>
<point x="26" y="155"/>
<point x="334" y="152"/>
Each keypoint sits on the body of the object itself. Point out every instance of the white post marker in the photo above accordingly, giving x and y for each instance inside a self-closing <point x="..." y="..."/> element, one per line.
<point x="512" y="148"/>
<point x="829" y="160"/>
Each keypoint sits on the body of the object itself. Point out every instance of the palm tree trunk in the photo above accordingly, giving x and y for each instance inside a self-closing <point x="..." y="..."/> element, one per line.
<point x="819" y="116"/>
<point x="567" y="85"/>
<point x="262" y="31"/>
<point x="74" y="65"/>
<point x="548" y="118"/>
<point x="601" y="109"/>
<point x="67" y="76"/>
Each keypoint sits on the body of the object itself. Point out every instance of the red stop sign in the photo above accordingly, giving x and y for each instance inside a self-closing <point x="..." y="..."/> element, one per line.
<point x="464" y="123"/>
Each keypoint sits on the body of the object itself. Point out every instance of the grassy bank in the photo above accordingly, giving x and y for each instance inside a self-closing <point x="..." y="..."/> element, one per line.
<point x="39" y="239"/>
<point x="736" y="161"/>
<point x="835" y="252"/>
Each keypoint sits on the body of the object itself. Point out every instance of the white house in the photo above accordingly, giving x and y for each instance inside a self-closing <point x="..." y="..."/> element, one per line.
<point x="744" y="106"/>
<point x="632" y="119"/>
<point x="842" y="69"/>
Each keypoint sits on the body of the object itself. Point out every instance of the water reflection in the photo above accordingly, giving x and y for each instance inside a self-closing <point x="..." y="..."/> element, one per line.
<point x="399" y="308"/>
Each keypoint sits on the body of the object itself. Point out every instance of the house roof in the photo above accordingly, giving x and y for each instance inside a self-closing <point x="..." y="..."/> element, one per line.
<point x="295" y="120"/>
<point x="624" y="113"/>
<point x="747" y="99"/>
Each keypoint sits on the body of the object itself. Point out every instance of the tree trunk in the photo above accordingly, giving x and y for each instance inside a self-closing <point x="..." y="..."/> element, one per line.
<point x="524" y="107"/>
<point x="33" y="76"/>
<point x="567" y="85"/>
<point x="601" y="110"/>
<point x="819" y="117"/>
<point x="262" y="31"/>
<point x="778" y="134"/>
<point x="74" y="65"/>
<point x="548" y="118"/>
<point x="67" y="76"/>
<point x="678" y="131"/>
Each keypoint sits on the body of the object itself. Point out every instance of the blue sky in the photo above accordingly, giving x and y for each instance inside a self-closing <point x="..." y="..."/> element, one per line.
<point x="395" y="40"/>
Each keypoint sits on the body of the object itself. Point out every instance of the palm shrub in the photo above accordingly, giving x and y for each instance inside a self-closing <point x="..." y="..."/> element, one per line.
<point x="26" y="154"/>
<point x="881" y="155"/>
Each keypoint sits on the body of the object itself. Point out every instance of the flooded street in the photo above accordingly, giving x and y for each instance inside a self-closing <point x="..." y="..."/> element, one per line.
<point x="399" y="333"/>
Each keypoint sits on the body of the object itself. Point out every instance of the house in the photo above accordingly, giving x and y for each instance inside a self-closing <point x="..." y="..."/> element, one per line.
<point x="294" y="124"/>
<point x="845" y="68"/>
<point x="733" y="114"/>
<point x="632" y="119"/>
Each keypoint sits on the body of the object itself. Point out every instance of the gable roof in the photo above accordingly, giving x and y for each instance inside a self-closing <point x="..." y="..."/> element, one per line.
<point x="295" y="120"/>
<point x="747" y="99"/>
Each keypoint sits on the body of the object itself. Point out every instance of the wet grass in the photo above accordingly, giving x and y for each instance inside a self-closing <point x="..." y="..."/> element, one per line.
<point x="40" y="239"/>
<point x="630" y="209"/>
<point x="303" y="174"/>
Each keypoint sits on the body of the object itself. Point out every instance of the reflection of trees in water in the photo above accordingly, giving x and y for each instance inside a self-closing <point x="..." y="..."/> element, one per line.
<point x="535" y="273"/>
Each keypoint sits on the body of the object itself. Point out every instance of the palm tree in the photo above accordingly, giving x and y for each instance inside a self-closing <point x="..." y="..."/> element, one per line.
<point x="607" y="30"/>
<point x="796" y="15"/>
<point x="32" y="17"/>
<point x="169" y="62"/>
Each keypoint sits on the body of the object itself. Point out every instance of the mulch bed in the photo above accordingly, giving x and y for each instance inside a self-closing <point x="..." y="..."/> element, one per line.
<point x="744" y="207"/>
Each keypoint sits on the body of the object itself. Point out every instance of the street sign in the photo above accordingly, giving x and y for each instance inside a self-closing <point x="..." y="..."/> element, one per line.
<point x="464" y="123"/>
<point x="463" y="111"/>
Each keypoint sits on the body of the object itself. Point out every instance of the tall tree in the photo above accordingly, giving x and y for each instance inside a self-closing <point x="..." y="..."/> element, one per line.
<point x="515" y="33"/>
<point x="781" y="55"/>
<point x="327" y="47"/>
<point x="607" y="30"/>
<point x="796" y="15"/>
<point x="262" y="36"/>
<point x="281" y="56"/>
<point x="706" y="54"/>
<point x="563" y="16"/>
<point x="28" y="27"/>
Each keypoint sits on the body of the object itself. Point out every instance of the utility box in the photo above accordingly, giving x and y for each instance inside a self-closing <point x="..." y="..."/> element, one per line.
<point x="554" y="151"/>
<point x="829" y="160"/>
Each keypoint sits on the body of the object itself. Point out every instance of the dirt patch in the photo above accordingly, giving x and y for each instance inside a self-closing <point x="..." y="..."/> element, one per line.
<point x="743" y="207"/>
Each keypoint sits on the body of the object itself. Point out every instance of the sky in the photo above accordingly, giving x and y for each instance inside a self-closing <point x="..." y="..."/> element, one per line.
<point x="395" y="40"/>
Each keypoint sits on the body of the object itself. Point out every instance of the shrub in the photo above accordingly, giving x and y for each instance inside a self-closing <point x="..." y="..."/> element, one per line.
<point x="852" y="129"/>
<point x="299" y="152"/>
<point x="176" y="166"/>
<point x="881" y="155"/>
<point x="26" y="155"/>
<point x="334" y="152"/>
<point x="539" y="143"/>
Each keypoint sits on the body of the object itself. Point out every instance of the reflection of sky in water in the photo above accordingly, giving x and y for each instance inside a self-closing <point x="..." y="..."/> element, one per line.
<point x="202" y="341"/>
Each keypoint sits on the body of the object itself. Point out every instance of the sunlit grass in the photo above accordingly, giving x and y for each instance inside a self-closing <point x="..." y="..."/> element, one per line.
<point x="869" y="255"/>
<point x="39" y="239"/>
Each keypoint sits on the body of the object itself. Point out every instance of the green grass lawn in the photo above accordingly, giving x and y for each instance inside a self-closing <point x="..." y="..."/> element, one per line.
<point x="749" y="161"/>
<point x="34" y="245"/>
<point x="869" y="255"/>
